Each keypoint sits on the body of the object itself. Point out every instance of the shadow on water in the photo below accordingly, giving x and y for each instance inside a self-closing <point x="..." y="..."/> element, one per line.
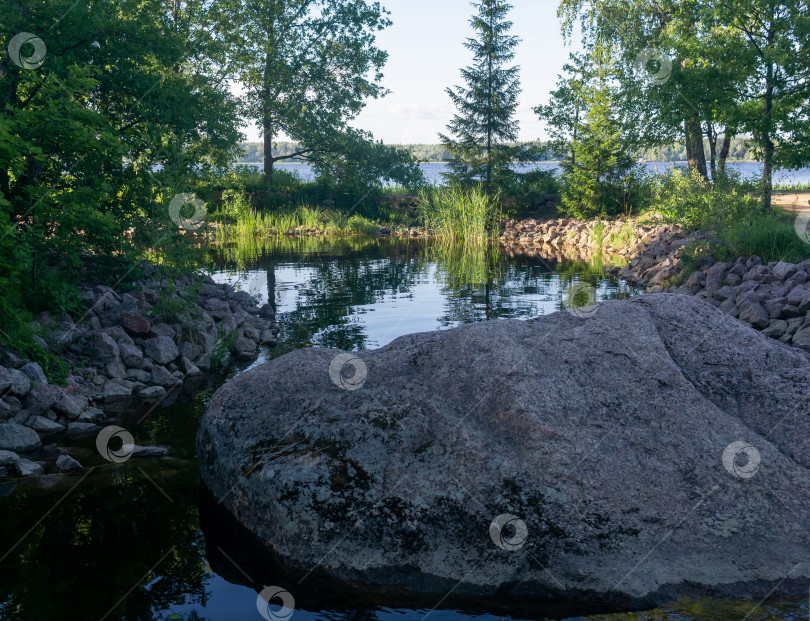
<point x="125" y="541"/>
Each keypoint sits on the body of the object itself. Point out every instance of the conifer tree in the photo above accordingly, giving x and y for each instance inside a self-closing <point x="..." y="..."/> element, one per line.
<point x="484" y="129"/>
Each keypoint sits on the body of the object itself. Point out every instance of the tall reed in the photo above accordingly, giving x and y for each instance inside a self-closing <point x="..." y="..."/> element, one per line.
<point x="459" y="214"/>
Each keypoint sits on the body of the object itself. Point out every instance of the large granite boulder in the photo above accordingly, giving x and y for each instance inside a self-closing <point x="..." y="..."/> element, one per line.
<point x="653" y="448"/>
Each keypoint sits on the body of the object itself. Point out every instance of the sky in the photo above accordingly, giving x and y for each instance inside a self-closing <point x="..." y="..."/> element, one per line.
<point x="425" y="48"/>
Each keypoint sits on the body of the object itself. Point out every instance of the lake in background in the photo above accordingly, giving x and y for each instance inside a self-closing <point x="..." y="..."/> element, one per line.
<point x="433" y="172"/>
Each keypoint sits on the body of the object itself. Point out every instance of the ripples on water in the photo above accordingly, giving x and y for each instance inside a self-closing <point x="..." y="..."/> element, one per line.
<point x="125" y="542"/>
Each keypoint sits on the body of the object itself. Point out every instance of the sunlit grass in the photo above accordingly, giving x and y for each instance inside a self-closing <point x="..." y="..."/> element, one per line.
<point x="239" y="219"/>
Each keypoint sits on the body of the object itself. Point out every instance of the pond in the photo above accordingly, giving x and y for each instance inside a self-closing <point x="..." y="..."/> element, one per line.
<point x="129" y="541"/>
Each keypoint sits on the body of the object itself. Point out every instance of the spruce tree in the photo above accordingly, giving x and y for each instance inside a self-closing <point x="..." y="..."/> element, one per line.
<point x="594" y="181"/>
<point x="485" y="126"/>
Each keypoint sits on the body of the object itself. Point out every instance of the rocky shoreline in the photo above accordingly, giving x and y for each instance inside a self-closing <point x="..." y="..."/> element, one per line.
<point x="127" y="349"/>
<point x="773" y="298"/>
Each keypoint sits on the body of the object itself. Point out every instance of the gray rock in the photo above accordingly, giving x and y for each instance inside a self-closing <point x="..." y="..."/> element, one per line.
<point x="114" y="392"/>
<point x="115" y="370"/>
<point x="776" y="328"/>
<point x="204" y="361"/>
<point x="604" y="435"/>
<point x="784" y="270"/>
<point x="11" y="360"/>
<point x="139" y="375"/>
<point x="145" y="452"/>
<point x="152" y="393"/>
<point x="81" y="430"/>
<point x="189" y="368"/>
<point x="244" y="346"/>
<point x="724" y="293"/>
<point x="13" y="403"/>
<point x="70" y="406"/>
<point x="753" y="313"/>
<point x="91" y="415"/>
<point x="161" y="349"/>
<point x="14" y="382"/>
<point x="161" y="377"/>
<point x="131" y="355"/>
<point x="14" y="437"/>
<point x="104" y="348"/>
<point x="42" y="398"/>
<point x="35" y="373"/>
<point x="135" y="323"/>
<point x="27" y="468"/>
<point x="802" y="339"/>
<point x="45" y="426"/>
<point x="8" y="458"/>
<point x="799" y="278"/>
<point x="67" y="465"/>
<point x="799" y="297"/>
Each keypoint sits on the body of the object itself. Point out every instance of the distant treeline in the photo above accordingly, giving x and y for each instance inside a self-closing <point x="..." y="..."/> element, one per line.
<point x="740" y="151"/>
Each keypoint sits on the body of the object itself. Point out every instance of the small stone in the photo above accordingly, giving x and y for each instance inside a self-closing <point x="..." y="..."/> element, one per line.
<point x="104" y="348"/>
<point x="753" y="313"/>
<point x="116" y="370"/>
<point x="45" y="426"/>
<point x="41" y="398"/>
<point x="15" y="382"/>
<point x="80" y="430"/>
<point x="802" y="339"/>
<point x="91" y="415"/>
<point x="34" y="373"/>
<point x="189" y="368"/>
<point x="12" y="360"/>
<point x="135" y="323"/>
<point x="161" y="349"/>
<point x="784" y="270"/>
<point x="139" y="375"/>
<point x="131" y="355"/>
<point x="776" y="329"/>
<point x="144" y="452"/>
<point x="152" y="393"/>
<point x="70" y="406"/>
<point x="17" y="438"/>
<point x="204" y="362"/>
<point x="161" y="377"/>
<point x="13" y="403"/>
<point x="67" y="465"/>
<point x="8" y="458"/>
<point x="114" y="392"/>
<point x="244" y="346"/>
<point x="28" y="468"/>
<point x="724" y="293"/>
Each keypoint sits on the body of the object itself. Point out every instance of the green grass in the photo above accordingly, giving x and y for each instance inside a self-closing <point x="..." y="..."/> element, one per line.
<point x="241" y="220"/>
<point x="459" y="214"/>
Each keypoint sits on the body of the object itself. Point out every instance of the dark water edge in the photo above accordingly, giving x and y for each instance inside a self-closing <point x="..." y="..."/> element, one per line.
<point x="139" y="540"/>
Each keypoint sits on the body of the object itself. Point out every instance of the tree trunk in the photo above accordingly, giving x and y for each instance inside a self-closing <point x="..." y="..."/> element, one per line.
<point x="694" y="145"/>
<point x="724" y="151"/>
<point x="267" y="121"/>
<point x="712" y="136"/>
<point x="767" y="142"/>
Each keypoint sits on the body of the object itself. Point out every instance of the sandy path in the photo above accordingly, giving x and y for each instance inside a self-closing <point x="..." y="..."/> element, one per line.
<point x="792" y="201"/>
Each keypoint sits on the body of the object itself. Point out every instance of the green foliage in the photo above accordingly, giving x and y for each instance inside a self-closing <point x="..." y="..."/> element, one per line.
<point x="307" y="66"/>
<point x="355" y="165"/>
<point x="459" y="213"/>
<point x="598" y="176"/>
<point x="693" y="202"/>
<point x="122" y="115"/>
